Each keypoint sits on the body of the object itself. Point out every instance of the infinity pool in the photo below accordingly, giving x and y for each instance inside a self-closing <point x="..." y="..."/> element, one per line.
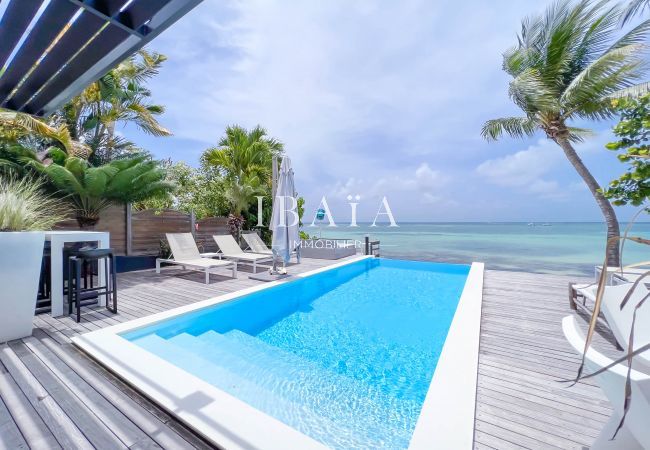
<point x="345" y="356"/>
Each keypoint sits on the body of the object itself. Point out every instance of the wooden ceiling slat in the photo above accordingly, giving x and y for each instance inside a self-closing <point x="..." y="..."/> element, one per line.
<point x="80" y="32"/>
<point x="103" y="44"/>
<point x="14" y="22"/>
<point x="57" y="14"/>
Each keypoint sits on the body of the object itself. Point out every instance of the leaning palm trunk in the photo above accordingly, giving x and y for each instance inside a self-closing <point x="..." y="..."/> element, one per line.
<point x="569" y="64"/>
<point x="613" y="230"/>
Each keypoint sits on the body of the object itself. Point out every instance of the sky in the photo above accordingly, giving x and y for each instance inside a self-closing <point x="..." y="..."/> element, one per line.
<point x="373" y="98"/>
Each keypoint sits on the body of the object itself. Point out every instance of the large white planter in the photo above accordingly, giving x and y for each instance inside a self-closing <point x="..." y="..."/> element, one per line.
<point x="20" y="267"/>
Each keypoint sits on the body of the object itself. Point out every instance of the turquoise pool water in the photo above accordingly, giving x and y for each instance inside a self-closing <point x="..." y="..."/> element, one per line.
<point x="345" y="356"/>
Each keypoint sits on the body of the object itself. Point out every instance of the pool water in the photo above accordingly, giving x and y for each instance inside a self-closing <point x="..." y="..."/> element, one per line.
<point x="345" y="356"/>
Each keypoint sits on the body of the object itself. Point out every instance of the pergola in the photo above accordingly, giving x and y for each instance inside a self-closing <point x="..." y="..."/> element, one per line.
<point x="50" y="50"/>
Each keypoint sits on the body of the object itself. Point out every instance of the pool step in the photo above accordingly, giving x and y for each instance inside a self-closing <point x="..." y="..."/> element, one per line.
<point x="325" y="393"/>
<point x="180" y="351"/>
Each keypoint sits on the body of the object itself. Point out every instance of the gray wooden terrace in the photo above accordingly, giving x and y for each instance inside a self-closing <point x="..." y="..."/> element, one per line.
<point x="53" y="396"/>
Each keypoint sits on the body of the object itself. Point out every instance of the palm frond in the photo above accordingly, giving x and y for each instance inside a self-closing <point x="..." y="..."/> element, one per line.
<point x="615" y="69"/>
<point x="632" y="91"/>
<point x="531" y="93"/>
<point x="63" y="179"/>
<point x="634" y="7"/>
<point x="517" y="127"/>
<point x="637" y="35"/>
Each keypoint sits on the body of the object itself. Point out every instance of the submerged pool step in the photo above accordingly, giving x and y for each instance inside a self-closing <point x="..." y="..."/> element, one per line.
<point x="324" y="393"/>
<point x="180" y="351"/>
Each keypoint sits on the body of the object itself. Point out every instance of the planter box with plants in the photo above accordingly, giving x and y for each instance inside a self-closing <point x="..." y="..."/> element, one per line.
<point x="24" y="213"/>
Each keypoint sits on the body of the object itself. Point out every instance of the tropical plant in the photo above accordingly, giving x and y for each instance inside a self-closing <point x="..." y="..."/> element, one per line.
<point x="569" y="65"/>
<point x="199" y="190"/>
<point x="241" y="193"/>
<point x="243" y="158"/>
<point x="119" y="97"/>
<point x="24" y="206"/>
<point x="92" y="189"/>
<point x="242" y="153"/>
<point x="16" y="127"/>
<point x="633" y="133"/>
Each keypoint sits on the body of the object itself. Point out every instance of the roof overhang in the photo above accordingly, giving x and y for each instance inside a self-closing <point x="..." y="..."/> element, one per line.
<point x="50" y="50"/>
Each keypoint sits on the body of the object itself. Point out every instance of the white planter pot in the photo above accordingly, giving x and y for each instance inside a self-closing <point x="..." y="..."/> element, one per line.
<point x="20" y="267"/>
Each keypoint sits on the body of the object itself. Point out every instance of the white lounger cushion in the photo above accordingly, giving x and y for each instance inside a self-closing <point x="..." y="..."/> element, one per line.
<point x="200" y="262"/>
<point x="230" y="249"/>
<point x="620" y="321"/>
<point x="635" y="433"/>
<point x="256" y="244"/>
<point x="186" y="253"/>
<point x="183" y="246"/>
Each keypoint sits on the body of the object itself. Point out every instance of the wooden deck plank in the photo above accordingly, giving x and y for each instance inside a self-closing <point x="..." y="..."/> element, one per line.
<point x="92" y="374"/>
<point x="93" y="429"/>
<point x="36" y="433"/>
<point x="61" y="426"/>
<point x="520" y="402"/>
<point x="96" y="404"/>
<point x="11" y="435"/>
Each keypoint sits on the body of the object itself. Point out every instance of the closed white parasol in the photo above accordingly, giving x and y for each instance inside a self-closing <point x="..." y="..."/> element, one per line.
<point x="284" y="220"/>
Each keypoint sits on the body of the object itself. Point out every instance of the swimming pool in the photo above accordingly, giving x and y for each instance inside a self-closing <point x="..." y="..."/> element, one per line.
<point x="344" y="357"/>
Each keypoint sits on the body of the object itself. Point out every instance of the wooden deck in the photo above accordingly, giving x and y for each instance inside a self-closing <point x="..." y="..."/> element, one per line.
<point x="53" y="396"/>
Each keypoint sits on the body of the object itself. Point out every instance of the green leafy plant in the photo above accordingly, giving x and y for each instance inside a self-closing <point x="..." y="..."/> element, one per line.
<point x="569" y="64"/>
<point x="243" y="158"/>
<point x="24" y="206"/>
<point x="241" y="193"/>
<point x="242" y="153"/>
<point x="119" y="97"/>
<point x="16" y="127"/>
<point x="633" y="131"/>
<point x="199" y="190"/>
<point x="92" y="189"/>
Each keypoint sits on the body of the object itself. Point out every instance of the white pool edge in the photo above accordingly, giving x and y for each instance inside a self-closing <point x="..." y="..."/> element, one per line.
<point x="447" y="416"/>
<point x="228" y="421"/>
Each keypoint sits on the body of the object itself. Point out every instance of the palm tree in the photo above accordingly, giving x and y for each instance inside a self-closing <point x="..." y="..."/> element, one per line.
<point x="241" y="194"/>
<point x="243" y="158"/>
<point x="92" y="189"/>
<point x="243" y="153"/>
<point x="16" y="126"/>
<point x="567" y="65"/>
<point x="120" y="96"/>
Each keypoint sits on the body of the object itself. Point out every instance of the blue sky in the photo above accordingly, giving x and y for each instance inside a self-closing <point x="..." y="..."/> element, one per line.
<point x="372" y="98"/>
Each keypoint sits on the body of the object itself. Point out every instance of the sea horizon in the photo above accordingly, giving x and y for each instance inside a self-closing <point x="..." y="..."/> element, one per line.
<point x="563" y="248"/>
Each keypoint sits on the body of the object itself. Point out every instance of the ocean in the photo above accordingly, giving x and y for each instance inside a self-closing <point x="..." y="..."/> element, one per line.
<point x="568" y="248"/>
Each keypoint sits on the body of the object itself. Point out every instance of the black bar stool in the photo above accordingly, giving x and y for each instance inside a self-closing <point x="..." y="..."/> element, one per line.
<point x="82" y="259"/>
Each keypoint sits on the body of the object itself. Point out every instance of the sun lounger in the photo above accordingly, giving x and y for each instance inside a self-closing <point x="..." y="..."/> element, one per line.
<point x="626" y="274"/>
<point x="635" y="433"/>
<point x="616" y="319"/>
<point x="256" y="244"/>
<point x="620" y="320"/>
<point x="232" y="251"/>
<point x="186" y="254"/>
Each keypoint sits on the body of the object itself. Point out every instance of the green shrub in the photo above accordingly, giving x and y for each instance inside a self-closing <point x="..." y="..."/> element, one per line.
<point x="24" y="207"/>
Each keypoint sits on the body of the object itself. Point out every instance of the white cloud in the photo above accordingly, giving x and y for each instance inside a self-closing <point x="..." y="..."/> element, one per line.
<point x="333" y="80"/>
<point x="387" y="97"/>
<point x="527" y="169"/>
<point x="422" y="185"/>
<point x="522" y="168"/>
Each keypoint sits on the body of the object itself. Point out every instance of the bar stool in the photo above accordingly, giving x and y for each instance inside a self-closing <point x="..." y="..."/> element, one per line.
<point x="77" y="293"/>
